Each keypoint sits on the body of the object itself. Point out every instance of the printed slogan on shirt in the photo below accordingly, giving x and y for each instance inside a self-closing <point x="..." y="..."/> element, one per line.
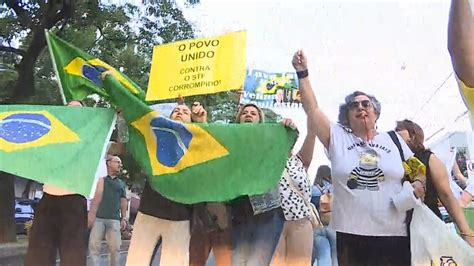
<point x="198" y="66"/>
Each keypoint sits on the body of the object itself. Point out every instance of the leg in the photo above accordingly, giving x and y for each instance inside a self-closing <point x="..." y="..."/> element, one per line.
<point x="114" y="241"/>
<point x="72" y="241"/>
<point x="279" y="256"/>
<point x="351" y="250"/>
<point x="42" y="238"/>
<point x="95" y="241"/>
<point x="394" y="251"/>
<point x="331" y="236"/>
<point x="266" y="233"/>
<point x="221" y="242"/>
<point x="299" y="242"/>
<point x="241" y="240"/>
<point x="322" y="248"/>
<point x="146" y="233"/>
<point x="175" y="245"/>
<point x="199" y="248"/>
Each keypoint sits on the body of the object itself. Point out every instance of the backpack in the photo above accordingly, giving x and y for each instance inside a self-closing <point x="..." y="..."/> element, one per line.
<point x="325" y="206"/>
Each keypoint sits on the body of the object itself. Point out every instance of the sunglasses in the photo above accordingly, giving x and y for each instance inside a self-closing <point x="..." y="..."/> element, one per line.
<point x="355" y="104"/>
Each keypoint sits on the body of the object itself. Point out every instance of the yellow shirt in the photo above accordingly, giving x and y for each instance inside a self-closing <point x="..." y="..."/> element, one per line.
<point x="467" y="95"/>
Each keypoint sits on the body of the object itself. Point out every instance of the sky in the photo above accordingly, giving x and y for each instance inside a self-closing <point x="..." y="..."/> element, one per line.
<point x="395" y="50"/>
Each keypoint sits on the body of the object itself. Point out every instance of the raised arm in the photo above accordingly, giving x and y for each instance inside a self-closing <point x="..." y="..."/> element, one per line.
<point x="461" y="40"/>
<point x="318" y="123"/>
<point x="307" y="150"/>
<point x="441" y="183"/>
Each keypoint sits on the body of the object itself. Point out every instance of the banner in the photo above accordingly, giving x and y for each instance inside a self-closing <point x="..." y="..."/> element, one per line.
<point x="57" y="145"/>
<point x="193" y="162"/>
<point x="270" y="90"/>
<point x="197" y="66"/>
<point x="433" y="244"/>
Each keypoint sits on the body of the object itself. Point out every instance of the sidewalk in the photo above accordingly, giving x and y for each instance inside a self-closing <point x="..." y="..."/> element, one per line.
<point x="12" y="254"/>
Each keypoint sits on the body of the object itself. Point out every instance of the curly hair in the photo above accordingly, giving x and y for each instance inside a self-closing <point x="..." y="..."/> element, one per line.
<point x="343" y="117"/>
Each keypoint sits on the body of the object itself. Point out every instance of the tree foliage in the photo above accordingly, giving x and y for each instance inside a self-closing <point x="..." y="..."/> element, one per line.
<point x="121" y="35"/>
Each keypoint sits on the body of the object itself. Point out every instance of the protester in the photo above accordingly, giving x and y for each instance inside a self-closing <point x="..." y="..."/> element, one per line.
<point x="296" y="241"/>
<point x="257" y="221"/>
<point x="162" y="220"/>
<point x="467" y="195"/>
<point x="60" y="223"/>
<point x="324" y="246"/>
<point x="111" y="215"/>
<point x="367" y="175"/>
<point x="437" y="179"/>
<point x="461" y="46"/>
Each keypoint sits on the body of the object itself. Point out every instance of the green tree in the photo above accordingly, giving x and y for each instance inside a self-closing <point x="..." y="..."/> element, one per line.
<point x="26" y="73"/>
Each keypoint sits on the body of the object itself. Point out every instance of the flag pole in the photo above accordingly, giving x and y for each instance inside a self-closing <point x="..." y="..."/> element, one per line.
<point x="63" y="97"/>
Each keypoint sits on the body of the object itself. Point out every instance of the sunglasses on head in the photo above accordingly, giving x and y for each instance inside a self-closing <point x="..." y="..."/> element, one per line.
<point x="356" y="104"/>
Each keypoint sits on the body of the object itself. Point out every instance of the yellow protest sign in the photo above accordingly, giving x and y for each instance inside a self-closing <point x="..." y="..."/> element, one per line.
<point x="197" y="66"/>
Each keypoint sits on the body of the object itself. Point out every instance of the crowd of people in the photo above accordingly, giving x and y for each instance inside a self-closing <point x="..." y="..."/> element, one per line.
<point x="363" y="200"/>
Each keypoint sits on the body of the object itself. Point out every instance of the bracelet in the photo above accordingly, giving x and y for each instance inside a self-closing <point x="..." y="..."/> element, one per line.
<point x="302" y="74"/>
<point x="467" y="234"/>
<point x="422" y="183"/>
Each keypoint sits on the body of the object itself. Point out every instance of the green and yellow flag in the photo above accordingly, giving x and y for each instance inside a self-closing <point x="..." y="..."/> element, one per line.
<point x="58" y="145"/>
<point x="192" y="163"/>
<point x="79" y="72"/>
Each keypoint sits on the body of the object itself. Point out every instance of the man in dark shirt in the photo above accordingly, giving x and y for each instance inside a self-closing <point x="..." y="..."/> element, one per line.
<point x="111" y="215"/>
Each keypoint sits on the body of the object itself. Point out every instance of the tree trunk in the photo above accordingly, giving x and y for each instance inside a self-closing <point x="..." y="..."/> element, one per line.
<point x="25" y="85"/>
<point x="7" y="208"/>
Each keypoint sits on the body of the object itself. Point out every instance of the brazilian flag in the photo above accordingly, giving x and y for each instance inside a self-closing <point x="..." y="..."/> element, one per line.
<point x="193" y="163"/>
<point x="79" y="72"/>
<point x="57" y="145"/>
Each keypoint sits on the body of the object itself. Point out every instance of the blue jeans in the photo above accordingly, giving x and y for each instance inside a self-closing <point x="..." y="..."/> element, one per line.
<point x="324" y="247"/>
<point x="255" y="240"/>
<point x="111" y="229"/>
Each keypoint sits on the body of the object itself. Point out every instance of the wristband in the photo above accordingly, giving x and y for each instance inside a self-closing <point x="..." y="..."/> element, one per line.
<point x="421" y="182"/>
<point x="302" y="74"/>
<point x="467" y="234"/>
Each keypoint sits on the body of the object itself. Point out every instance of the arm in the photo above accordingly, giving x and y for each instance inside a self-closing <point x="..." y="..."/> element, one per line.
<point x="441" y="182"/>
<point x="318" y="122"/>
<point x="459" y="176"/>
<point x="465" y="199"/>
<point x="461" y="40"/>
<point x="307" y="150"/>
<point x="123" y="212"/>
<point x="95" y="202"/>
<point x="198" y="113"/>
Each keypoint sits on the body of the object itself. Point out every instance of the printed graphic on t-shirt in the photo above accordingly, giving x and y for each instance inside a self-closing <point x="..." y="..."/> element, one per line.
<point x="366" y="175"/>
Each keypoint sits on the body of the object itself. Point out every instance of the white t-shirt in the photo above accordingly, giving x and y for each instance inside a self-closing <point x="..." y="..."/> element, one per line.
<point x="365" y="178"/>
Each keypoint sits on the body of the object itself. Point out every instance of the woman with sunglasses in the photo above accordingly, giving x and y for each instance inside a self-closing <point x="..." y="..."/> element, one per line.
<point x="437" y="179"/>
<point x="367" y="175"/>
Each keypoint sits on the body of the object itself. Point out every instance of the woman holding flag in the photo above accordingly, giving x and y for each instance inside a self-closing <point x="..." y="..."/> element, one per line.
<point x="162" y="220"/>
